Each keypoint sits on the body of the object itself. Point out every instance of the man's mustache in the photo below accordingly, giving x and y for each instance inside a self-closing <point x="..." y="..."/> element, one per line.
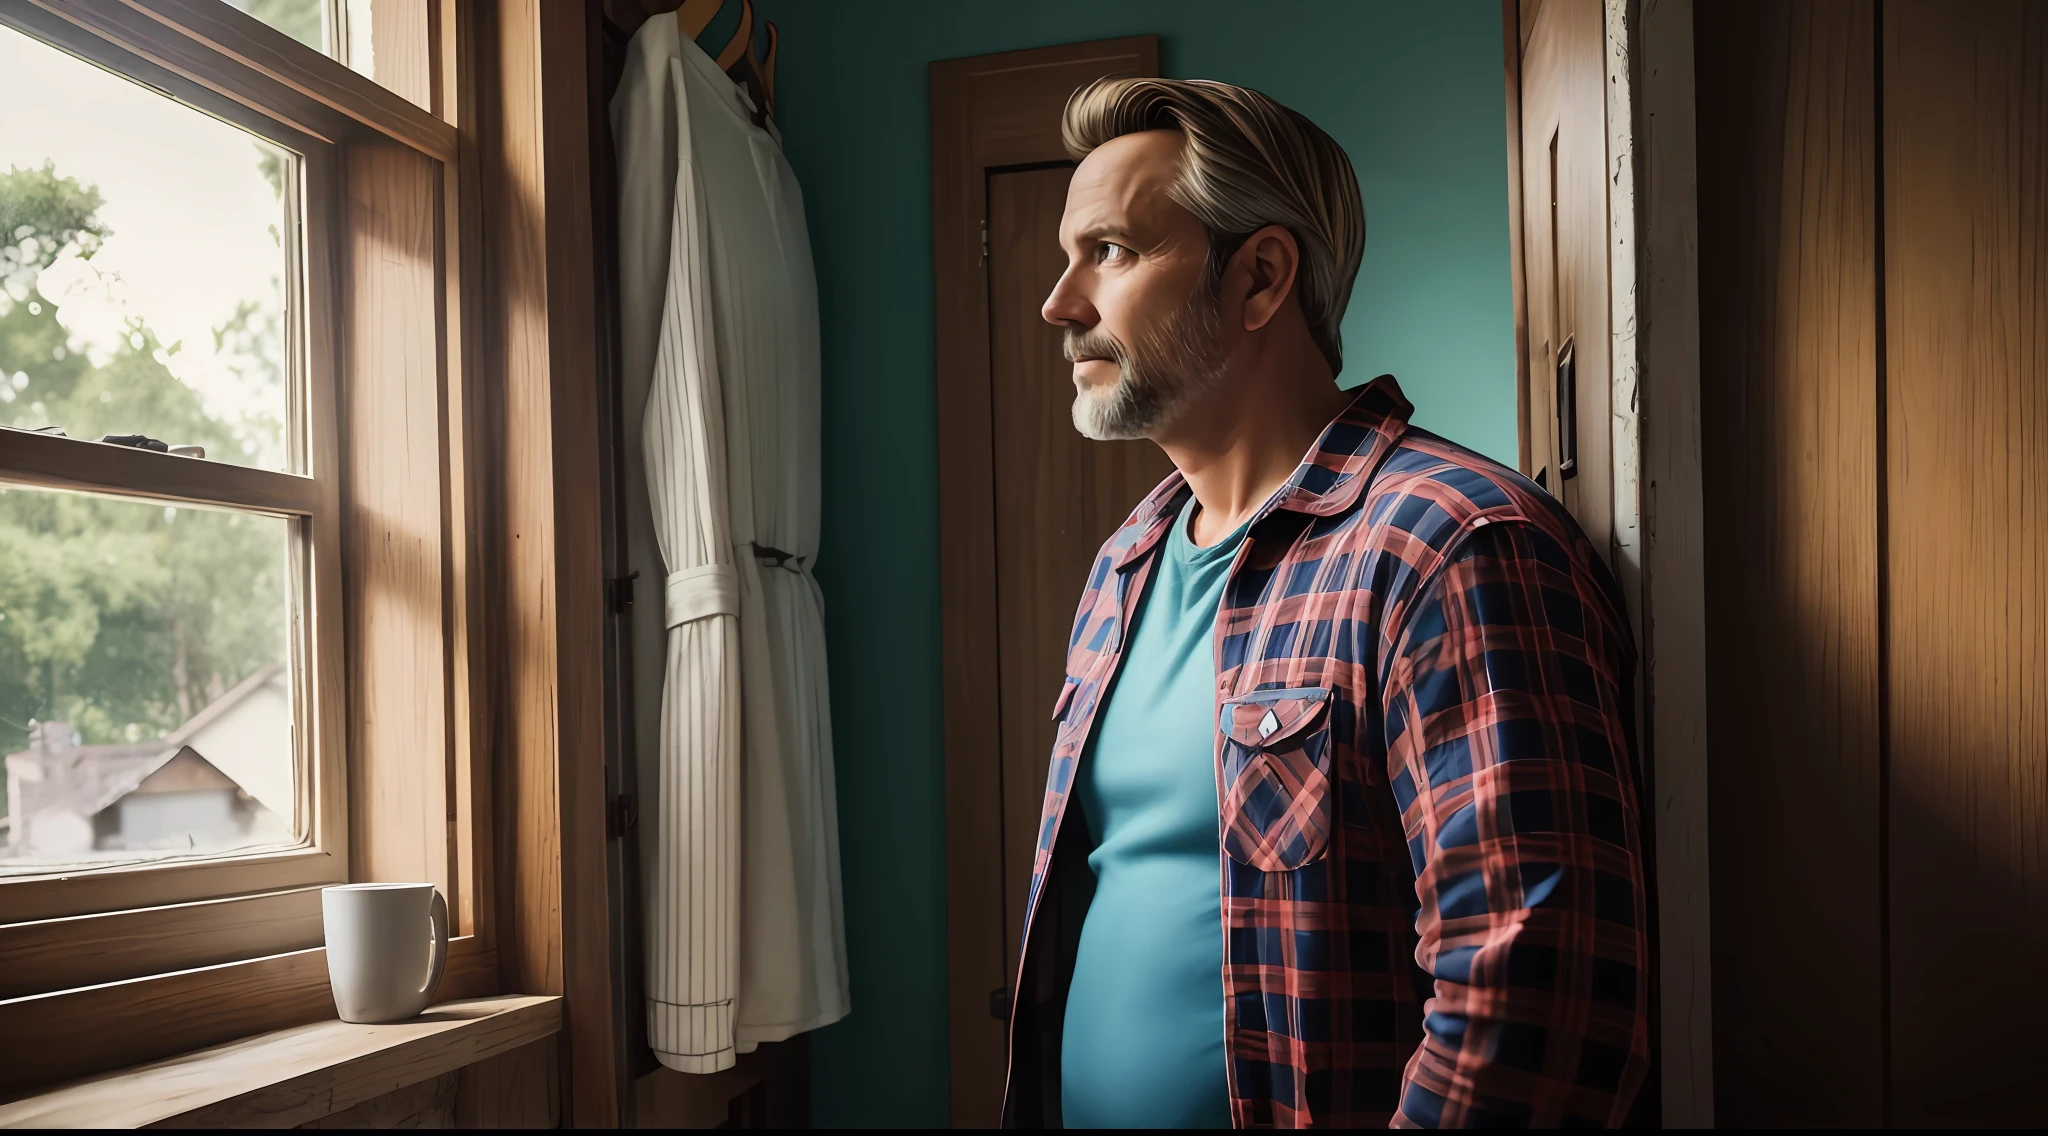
<point x="1094" y="343"/>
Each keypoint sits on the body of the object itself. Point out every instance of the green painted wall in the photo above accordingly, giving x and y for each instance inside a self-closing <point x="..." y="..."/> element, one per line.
<point x="1412" y="90"/>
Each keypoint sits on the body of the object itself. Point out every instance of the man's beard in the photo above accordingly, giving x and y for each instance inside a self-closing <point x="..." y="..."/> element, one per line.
<point x="1170" y="365"/>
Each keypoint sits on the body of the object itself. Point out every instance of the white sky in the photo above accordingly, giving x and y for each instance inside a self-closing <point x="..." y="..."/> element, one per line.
<point x="191" y="213"/>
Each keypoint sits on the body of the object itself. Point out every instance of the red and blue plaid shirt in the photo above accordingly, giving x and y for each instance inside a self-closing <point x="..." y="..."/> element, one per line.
<point x="1425" y="751"/>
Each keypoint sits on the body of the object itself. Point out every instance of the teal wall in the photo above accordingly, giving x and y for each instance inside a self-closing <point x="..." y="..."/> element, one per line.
<point x="1412" y="90"/>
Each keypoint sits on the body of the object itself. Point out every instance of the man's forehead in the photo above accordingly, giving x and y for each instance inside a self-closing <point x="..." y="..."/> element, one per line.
<point x="1124" y="181"/>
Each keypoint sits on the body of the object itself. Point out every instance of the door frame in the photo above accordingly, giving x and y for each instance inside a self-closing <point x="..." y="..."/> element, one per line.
<point x="1653" y="243"/>
<point x="988" y="112"/>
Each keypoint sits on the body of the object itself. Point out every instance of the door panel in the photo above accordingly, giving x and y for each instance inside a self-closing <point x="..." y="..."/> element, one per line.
<point x="1966" y="396"/>
<point x="1788" y="390"/>
<point x="1058" y="497"/>
<point x="1873" y="210"/>
<point x="1564" y="257"/>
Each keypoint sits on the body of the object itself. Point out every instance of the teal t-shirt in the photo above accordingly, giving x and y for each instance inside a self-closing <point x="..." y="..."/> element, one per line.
<point x="1143" y="1040"/>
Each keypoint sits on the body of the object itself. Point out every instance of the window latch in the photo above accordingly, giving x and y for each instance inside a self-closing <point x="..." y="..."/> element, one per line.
<point x="622" y="815"/>
<point x="618" y="592"/>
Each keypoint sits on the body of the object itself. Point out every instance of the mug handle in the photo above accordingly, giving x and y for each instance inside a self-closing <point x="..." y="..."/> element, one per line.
<point x="437" y="914"/>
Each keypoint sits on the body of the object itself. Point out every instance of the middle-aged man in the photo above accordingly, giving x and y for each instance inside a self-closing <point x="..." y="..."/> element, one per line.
<point x="1345" y="747"/>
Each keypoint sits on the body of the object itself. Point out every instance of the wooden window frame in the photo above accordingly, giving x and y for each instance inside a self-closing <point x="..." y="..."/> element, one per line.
<point x="143" y="962"/>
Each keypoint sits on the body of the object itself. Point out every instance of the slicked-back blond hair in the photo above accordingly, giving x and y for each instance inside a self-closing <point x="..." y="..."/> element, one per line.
<point x="1247" y="162"/>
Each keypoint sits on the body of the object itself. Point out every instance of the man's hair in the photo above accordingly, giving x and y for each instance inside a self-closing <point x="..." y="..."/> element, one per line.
<point x="1246" y="162"/>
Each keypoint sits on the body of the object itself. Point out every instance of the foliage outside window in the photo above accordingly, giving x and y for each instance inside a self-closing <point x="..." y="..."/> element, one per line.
<point x="144" y="255"/>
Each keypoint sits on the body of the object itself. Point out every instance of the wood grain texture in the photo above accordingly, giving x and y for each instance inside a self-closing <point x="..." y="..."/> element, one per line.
<point x="1674" y="584"/>
<point x="266" y="69"/>
<point x="155" y="885"/>
<point x="429" y="1104"/>
<point x="520" y="1088"/>
<point x="393" y="525"/>
<point x="401" y="42"/>
<point x="473" y="459"/>
<point x="74" y="463"/>
<point x="287" y="1077"/>
<point x="1511" y="65"/>
<point x="1058" y="496"/>
<point x="1788" y="391"/>
<point x="1965" y="107"/>
<point x="1564" y="249"/>
<point x="97" y="1028"/>
<point x="84" y="950"/>
<point x="779" y="1073"/>
<point x="988" y="112"/>
<point x="540" y="331"/>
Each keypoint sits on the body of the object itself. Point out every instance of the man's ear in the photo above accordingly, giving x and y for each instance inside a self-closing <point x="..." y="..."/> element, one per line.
<point x="1270" y="258"/>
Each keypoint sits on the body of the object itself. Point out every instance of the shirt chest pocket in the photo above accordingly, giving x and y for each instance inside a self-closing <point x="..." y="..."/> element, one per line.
<point x="1278" y="803"/>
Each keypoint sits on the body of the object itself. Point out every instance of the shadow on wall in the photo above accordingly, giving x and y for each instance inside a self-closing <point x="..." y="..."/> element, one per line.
<point x="1413" y="91"/>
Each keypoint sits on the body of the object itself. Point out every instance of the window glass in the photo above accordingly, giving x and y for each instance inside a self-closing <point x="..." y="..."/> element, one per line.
<point x="145" y="687"/>
<point x="145" y="255"/>
<point x="303" y="20"/>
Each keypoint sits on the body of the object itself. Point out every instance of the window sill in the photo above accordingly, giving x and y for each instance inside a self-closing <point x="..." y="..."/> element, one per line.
<point x="287" y="1077"/>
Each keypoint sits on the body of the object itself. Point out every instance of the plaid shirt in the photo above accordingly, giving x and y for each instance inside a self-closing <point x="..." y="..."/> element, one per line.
<point x="1425" y="749"/>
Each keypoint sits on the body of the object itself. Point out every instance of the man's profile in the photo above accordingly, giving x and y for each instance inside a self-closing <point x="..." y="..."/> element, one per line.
<point x="1345" y="743"/>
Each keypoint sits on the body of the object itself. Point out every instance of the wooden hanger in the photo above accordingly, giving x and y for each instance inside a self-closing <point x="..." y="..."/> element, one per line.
<point x="737" y="58"/>
<point x="756" y="75"/>
<point x="695" y="15"/>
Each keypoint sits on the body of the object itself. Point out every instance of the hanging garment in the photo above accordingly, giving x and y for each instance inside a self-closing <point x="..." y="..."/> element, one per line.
<point x="719" y="325"/>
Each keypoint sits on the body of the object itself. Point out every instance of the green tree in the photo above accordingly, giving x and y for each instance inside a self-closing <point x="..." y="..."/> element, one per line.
<point x="121" y="617"/>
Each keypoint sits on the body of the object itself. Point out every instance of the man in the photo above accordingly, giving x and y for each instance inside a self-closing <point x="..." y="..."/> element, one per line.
<point x="1345" y="746"/>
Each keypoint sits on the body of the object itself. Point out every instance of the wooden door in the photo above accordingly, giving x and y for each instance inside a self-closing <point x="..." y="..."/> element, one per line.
<point x="1058" y="497"/>
<point x="1965" y="410"/>
<point x="1873" y="203"/>
<point x="1564" y="258"/>
<point x="1024" y="502"/>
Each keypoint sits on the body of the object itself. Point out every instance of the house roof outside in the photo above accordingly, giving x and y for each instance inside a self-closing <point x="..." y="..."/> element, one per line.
<point x="85" y="779"/>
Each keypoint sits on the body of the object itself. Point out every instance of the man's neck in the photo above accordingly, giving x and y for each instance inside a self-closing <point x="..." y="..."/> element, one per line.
<point x="1241" y="444"/>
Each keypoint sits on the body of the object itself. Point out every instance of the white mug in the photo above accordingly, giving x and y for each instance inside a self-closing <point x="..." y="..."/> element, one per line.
<point x="386" y="947"/>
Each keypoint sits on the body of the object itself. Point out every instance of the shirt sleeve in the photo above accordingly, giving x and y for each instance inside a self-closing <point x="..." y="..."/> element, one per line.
<point x="1510" y="751"/>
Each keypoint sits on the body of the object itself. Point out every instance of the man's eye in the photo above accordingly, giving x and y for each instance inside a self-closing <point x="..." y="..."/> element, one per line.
<point x="1108" y="251"/>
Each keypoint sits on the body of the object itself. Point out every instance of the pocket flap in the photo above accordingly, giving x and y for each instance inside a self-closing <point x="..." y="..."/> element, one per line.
<point x="1067" y="689"/>
<point x="1266" y="719"/>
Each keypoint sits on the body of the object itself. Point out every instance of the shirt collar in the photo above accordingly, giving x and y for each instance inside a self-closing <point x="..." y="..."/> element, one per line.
<point x="1328" y="480"/>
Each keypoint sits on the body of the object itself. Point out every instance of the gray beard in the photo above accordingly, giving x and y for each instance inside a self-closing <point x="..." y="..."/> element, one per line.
<point x="1168" y="367"/>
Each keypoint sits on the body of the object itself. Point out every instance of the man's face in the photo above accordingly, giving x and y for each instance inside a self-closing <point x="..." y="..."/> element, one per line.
<point x="1140" y="313"/>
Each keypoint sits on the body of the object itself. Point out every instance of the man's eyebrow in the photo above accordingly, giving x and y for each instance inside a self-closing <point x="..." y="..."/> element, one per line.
<point x="1096" y="233"/>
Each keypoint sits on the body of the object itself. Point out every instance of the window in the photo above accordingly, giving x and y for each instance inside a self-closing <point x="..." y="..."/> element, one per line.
<point x="154" y="641"/>
<point x="235" y="515"/>
<point x="385" y="40"/>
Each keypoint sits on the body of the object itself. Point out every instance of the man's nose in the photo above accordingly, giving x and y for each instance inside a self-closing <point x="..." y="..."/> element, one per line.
<point x="1067" y="306"/>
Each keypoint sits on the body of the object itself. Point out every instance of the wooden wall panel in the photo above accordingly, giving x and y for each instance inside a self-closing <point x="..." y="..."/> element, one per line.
<point x="541" y="355"/>
<point x="1789" y="434"/>
<point x="392" y="431"/>
<point x="512" y="1090"/>
<point x="401" y="43"/>
<point x="1966" y="330"/>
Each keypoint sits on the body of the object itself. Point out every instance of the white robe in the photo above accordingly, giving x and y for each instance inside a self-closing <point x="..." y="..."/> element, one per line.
<point x="719" y="328"/>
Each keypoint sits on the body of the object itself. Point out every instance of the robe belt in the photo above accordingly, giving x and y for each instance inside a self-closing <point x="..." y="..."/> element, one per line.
<point x="714" y="589"/>
<point x="701" y="592"/>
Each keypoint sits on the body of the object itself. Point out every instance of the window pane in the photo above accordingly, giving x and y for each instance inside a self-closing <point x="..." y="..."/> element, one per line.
<point x="145" y="686"/>
<point x="144" y="263"/>
<point x="303" y="20"/>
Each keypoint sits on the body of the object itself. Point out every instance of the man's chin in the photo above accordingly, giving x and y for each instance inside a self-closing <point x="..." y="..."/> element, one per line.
<point x="1098" y="419"/>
